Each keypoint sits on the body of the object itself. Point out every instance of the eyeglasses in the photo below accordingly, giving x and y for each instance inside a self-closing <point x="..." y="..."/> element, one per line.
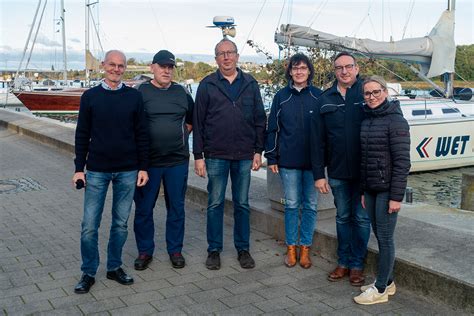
<point x="226" y="54"/>
<point x="301" y="68"/>
<point x="375" y="93"/>
<point x="346" y="67"/>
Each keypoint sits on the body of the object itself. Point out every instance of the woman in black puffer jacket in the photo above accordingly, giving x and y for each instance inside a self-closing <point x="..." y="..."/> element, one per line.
<point x="385" y="163"/>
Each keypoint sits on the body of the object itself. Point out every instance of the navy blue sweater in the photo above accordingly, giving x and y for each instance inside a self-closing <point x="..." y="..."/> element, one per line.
<point x="288" y="133"/>
<point x="111" y="132"/>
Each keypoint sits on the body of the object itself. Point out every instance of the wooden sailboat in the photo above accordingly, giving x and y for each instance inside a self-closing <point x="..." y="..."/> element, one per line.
<point x="63" y="101"/>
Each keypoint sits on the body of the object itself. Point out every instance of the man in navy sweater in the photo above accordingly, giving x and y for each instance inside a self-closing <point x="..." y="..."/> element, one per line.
<point x="112" y="143"/>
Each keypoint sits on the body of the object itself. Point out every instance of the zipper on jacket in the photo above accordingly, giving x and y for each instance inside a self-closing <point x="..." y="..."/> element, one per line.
<point x="367" y="151"/>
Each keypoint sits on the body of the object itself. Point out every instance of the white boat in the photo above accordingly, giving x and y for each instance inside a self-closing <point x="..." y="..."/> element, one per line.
<point x="442" y="129"/>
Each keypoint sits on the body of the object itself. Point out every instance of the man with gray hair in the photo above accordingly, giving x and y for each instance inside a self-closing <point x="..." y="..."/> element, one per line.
<point x="112" y="144"/>
<point x="228" y="123"/>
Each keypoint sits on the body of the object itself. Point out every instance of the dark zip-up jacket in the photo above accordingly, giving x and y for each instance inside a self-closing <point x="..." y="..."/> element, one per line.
<point x="385" y="145"/>
<point x="227" y="129"/>
<point x="335" y="133"/>
<point x="287" y="137"/>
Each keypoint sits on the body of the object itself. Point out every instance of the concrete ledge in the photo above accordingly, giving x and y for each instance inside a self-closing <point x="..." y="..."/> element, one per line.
<point x="434" y="260"/>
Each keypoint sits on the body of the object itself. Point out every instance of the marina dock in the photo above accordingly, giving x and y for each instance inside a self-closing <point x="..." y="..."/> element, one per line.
<point x="40" y="255"/>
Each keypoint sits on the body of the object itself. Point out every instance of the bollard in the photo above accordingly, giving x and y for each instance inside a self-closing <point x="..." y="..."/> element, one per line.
<point x="467" y="192"/>
<point x="409" y="195"/>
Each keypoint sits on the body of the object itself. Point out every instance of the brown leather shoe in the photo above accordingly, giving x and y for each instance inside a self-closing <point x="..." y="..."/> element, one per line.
<point x="338" y="274"/>
<point x="305" y="257"/>
<point x="290" y="259"/>
<point x="356" y="277"/>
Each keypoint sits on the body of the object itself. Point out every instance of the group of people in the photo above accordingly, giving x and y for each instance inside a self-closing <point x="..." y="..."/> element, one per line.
<point x="137" y="139"/>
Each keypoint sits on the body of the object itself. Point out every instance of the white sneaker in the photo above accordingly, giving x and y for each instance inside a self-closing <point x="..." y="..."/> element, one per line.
<point x="371" y="296"/>
<point x="391" y="288"/>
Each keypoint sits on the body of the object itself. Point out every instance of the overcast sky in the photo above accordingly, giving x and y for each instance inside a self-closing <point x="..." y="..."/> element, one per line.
<point x="179" y="25"/>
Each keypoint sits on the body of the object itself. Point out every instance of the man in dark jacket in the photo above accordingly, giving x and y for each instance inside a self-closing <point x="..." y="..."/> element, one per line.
<point x="335" y="143"/>
<point x="229" y="124"/>
<point x="112" y="143"/>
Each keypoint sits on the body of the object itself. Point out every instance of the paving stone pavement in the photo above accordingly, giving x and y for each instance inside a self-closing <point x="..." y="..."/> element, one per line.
<point x="40" y="216"/>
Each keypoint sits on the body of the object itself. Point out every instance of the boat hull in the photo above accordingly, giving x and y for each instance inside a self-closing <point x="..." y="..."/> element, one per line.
<point x="51" y="102"/>
<point x="442" y="144"/>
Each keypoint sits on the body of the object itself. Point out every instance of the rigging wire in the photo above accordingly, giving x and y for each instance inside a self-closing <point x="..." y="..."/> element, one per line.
<point x="354" y="32"/>
<point x="390" y="18"/>
<point x="412" y="5"/>
<point x="36" y="35"/>
<point x="96" y="32"/>
<point x="281" y="14"/>
<point x="373" y="28"/>
<point x="251" y="30"/>
<point x="317" y="13"/>
<point x="290" y="11"/>
<point x="158" y="23"/>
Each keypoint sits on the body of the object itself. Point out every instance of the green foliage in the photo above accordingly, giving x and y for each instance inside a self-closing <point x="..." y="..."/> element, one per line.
<point x="464" y="65"/>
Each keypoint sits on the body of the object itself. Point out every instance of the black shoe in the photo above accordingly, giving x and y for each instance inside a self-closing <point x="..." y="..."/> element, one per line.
<point x="177" y="260"/>
<point x="84" y="284"/>
<point x="245" y="259"/>
<point x="213" y="261"/>
<point x="120" y="276"/>
<point x="142" y="262"/>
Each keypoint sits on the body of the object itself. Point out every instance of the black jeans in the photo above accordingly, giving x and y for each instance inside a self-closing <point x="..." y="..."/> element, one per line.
<point x="383" y="225"/>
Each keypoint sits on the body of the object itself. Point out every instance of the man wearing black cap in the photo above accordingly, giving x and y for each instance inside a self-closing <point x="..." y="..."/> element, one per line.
<point x="168" y="109"/>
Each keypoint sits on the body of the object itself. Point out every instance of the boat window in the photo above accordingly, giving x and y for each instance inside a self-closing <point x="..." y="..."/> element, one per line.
<point x="450" y="110"/>
<point x="421" y="112"/>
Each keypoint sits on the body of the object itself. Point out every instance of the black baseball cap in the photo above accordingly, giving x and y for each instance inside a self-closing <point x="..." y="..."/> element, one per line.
<point x="164" y="57"/>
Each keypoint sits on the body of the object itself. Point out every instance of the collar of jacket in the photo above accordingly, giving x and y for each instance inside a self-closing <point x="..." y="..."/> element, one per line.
<point x="387" y="107"/>
<point x="215" y="80"/>
<point x="294" y="90"/>
<point x="333" y="89"/>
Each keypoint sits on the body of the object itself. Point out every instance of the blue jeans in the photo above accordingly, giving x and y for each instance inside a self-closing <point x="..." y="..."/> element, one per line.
<point x="218" y="173"/>
<point x="299" y="193"/>
<point x="352" y="224"/>
<point x="383" y="225"/>
<point x="123" y="186"/>
<point x="175" y="180"/>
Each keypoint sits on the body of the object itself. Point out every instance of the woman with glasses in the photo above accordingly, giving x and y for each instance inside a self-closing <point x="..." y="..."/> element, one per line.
<point x="385" y="148"/>
<point x="287" y="150"/>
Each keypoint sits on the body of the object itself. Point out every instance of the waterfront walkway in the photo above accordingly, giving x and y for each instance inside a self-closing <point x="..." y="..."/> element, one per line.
<point x="40" y="216"/>
<point x="40" y="258"/>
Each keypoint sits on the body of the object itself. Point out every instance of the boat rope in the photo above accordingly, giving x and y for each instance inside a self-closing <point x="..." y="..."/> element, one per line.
<point x="27" y="40"/>
<point x="412" y="5"/>
<point x="461" y="77"/>
<point x="36" y="35"/>
<point x="251" y="29"/>
<point x="281" y="14"/>
<point x="96" y="31"/>
<point x="354" y="32"/>
<point x="390" y="19"/>
<point x="158" y="23"/>
<point x="316" y="14"/>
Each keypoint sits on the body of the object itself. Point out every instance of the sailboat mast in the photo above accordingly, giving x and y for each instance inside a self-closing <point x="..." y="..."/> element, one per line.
<point x="448" y="78"/>
<point x="63" y="23"/>
<point x="87" y="43"/>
